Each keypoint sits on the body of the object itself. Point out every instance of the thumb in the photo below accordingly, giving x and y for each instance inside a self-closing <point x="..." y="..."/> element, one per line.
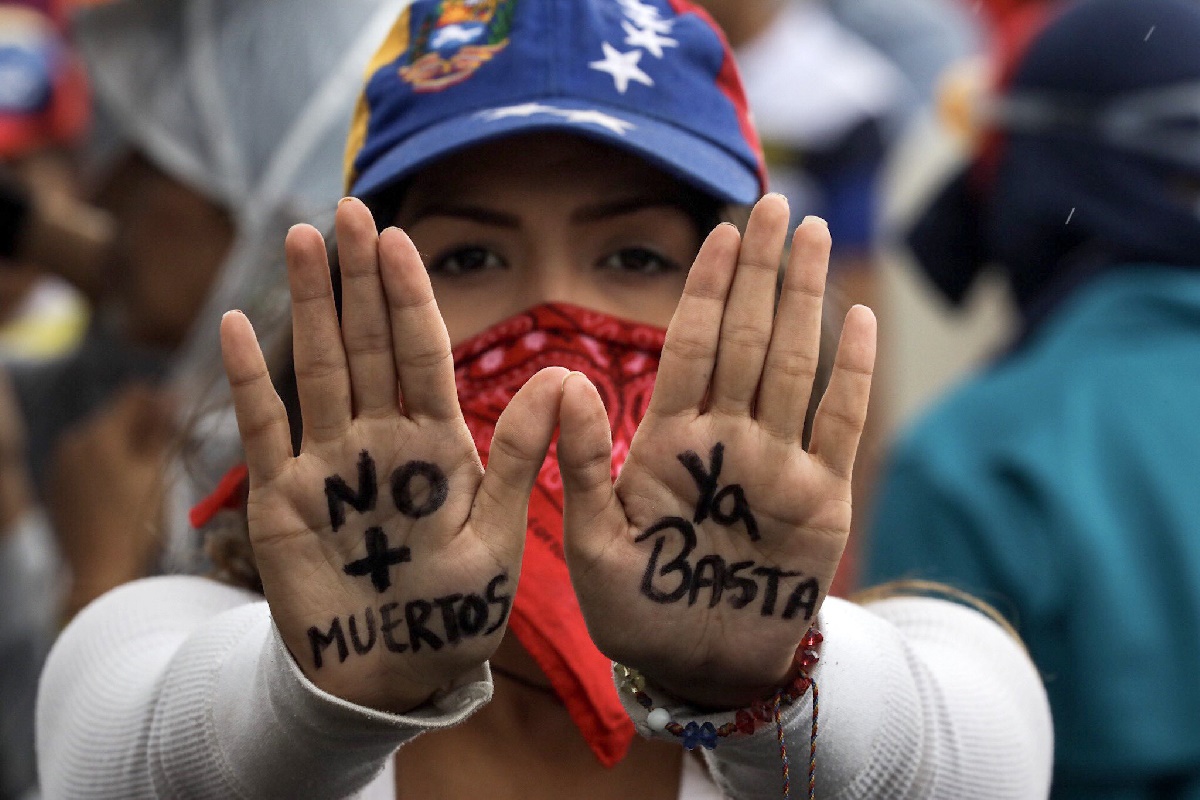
<point x="519" y="446"/>
<point x="585" y="461"/>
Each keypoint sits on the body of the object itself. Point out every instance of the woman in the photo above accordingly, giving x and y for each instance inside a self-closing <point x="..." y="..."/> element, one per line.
<point x="553" y="188"/>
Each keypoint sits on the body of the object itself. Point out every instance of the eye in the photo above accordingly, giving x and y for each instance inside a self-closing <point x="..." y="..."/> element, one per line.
<point x="638" y="260"/>
<point x="466" y="261"/>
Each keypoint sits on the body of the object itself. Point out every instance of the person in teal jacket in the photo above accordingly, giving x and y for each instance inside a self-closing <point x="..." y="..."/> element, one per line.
<point x="1062" y="484"/>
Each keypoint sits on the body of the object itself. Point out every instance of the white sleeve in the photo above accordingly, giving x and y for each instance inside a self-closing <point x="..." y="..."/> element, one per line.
<point x="181" y="687"/>
<point x="918" y="698"/>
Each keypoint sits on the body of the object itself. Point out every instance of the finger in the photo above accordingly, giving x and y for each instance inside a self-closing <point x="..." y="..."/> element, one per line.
<point x="321" y="377"/>
<point x="746" y="325"/>
<point x="590" y="506"/>
<point x="795" y="348"/>
<point x="421" y="345"/>
<point x="843" y="411"/>
<point x="518" y="449"/>
<point x="366" y="329"/>
<point x="690" y="349"/>
<point x="262" y="420"/>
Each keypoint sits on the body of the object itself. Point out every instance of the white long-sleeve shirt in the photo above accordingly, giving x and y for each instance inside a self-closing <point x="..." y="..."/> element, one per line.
<point x="182" y="687"/>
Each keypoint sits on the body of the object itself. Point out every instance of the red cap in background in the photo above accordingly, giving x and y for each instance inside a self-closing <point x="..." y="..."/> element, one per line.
<point x="43" y="91"/>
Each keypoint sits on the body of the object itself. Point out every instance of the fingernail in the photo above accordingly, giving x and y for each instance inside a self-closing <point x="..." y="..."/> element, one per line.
<point x="815" y="219"/>
<point x="343" y="201"/>
<point x="570" y="375"/>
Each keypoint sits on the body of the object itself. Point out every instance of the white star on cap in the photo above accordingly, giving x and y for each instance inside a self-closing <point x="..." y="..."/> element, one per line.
<point x="618" y="126"/>
<point x="622" y="66"/>
<point x="573" y="116"/>
<point x="647" y="17"/>
<point x="638" y="8"/>
<point x="648" y="39"/>
<point x="523" y="110"/>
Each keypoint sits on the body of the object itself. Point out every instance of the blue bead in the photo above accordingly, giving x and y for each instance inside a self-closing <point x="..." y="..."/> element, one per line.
<point x="708" y="736"/>
<point x="691" y="736"/>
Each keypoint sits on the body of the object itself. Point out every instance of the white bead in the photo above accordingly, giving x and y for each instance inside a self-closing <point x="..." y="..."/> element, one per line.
<point x="658" y="719"/>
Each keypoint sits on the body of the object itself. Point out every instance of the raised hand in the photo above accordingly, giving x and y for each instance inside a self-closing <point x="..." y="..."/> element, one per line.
<point x="106" y="478"/>
<point x="388" y="556"/>
<point x="706" y="562"/>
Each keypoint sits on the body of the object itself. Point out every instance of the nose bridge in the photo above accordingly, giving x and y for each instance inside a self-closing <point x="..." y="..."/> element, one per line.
<point x="551" y="274"/>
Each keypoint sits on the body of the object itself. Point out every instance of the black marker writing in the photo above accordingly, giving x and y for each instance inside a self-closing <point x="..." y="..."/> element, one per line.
<point x="339" y="494"/>
<point x="706" y="480"/>
<point x="362" y="648"/>
<point x="416" y="478"/>
<point x="723" y="581"/>
<point x="713" y="502"/>
<point x="437" y="485"/>
<point x="678" y="564"/>
<point x="430" y="484"/>
<point x="320" y="641"/>
<point x="379" y="560"/>
<point x="804" y="598"/>
<point x="416" y="625"/>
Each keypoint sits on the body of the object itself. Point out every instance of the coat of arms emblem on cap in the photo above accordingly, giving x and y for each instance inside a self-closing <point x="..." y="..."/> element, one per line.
<point x="454" y="39"/>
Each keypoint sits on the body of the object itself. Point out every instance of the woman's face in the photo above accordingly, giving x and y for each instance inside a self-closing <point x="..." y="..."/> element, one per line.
<point x="550" y="218"/>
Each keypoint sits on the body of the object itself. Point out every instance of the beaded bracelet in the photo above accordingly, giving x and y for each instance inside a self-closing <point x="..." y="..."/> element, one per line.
<point x="746" y="720"/>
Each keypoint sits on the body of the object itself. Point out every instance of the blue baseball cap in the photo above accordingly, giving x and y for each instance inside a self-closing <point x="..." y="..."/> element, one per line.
<point x="653" y="77"/>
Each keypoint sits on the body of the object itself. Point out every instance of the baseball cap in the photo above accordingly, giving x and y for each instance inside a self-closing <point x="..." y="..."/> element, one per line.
<point x="653" y="77"/>
<point x="43" y="94"/>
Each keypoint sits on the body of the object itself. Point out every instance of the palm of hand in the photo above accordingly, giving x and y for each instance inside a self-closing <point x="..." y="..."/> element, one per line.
<point x="707" y="561"/>
<point x="365" y="546"/>
<point x="737" y="532"/>
<point x="388" y="556"/>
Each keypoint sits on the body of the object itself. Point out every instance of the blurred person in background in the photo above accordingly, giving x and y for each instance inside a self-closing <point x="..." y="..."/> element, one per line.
<point x="202" y="154"/>
<point x="1059" y="484"/>
<point x="46" y="235"/>
<point x="823" y="100"/>
<point x="921" y="38"/>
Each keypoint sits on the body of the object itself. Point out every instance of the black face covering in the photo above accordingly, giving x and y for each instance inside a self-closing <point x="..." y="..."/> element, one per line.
<point x="949" y="239"/>
<point x="1101" y="130"/>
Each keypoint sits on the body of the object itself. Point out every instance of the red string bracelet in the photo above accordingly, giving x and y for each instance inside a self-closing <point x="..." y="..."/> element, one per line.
<point x="746" y="720"/>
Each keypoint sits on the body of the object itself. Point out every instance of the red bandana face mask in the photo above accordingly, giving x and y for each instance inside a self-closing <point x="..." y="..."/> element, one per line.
<point x="621" y="359"/>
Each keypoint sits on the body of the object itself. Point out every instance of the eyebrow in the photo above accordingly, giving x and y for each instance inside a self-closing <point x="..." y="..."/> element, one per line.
<point x="631" y="205"/>
<point x="587" y="214"/>
<point x="483" y="216"/>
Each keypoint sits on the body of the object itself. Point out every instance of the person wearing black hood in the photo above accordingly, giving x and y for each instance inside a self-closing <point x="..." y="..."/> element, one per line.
<point x="1059" y="484"/>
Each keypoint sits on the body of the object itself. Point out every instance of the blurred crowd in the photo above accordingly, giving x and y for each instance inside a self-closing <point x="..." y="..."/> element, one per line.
<point x="150" y="167"/>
